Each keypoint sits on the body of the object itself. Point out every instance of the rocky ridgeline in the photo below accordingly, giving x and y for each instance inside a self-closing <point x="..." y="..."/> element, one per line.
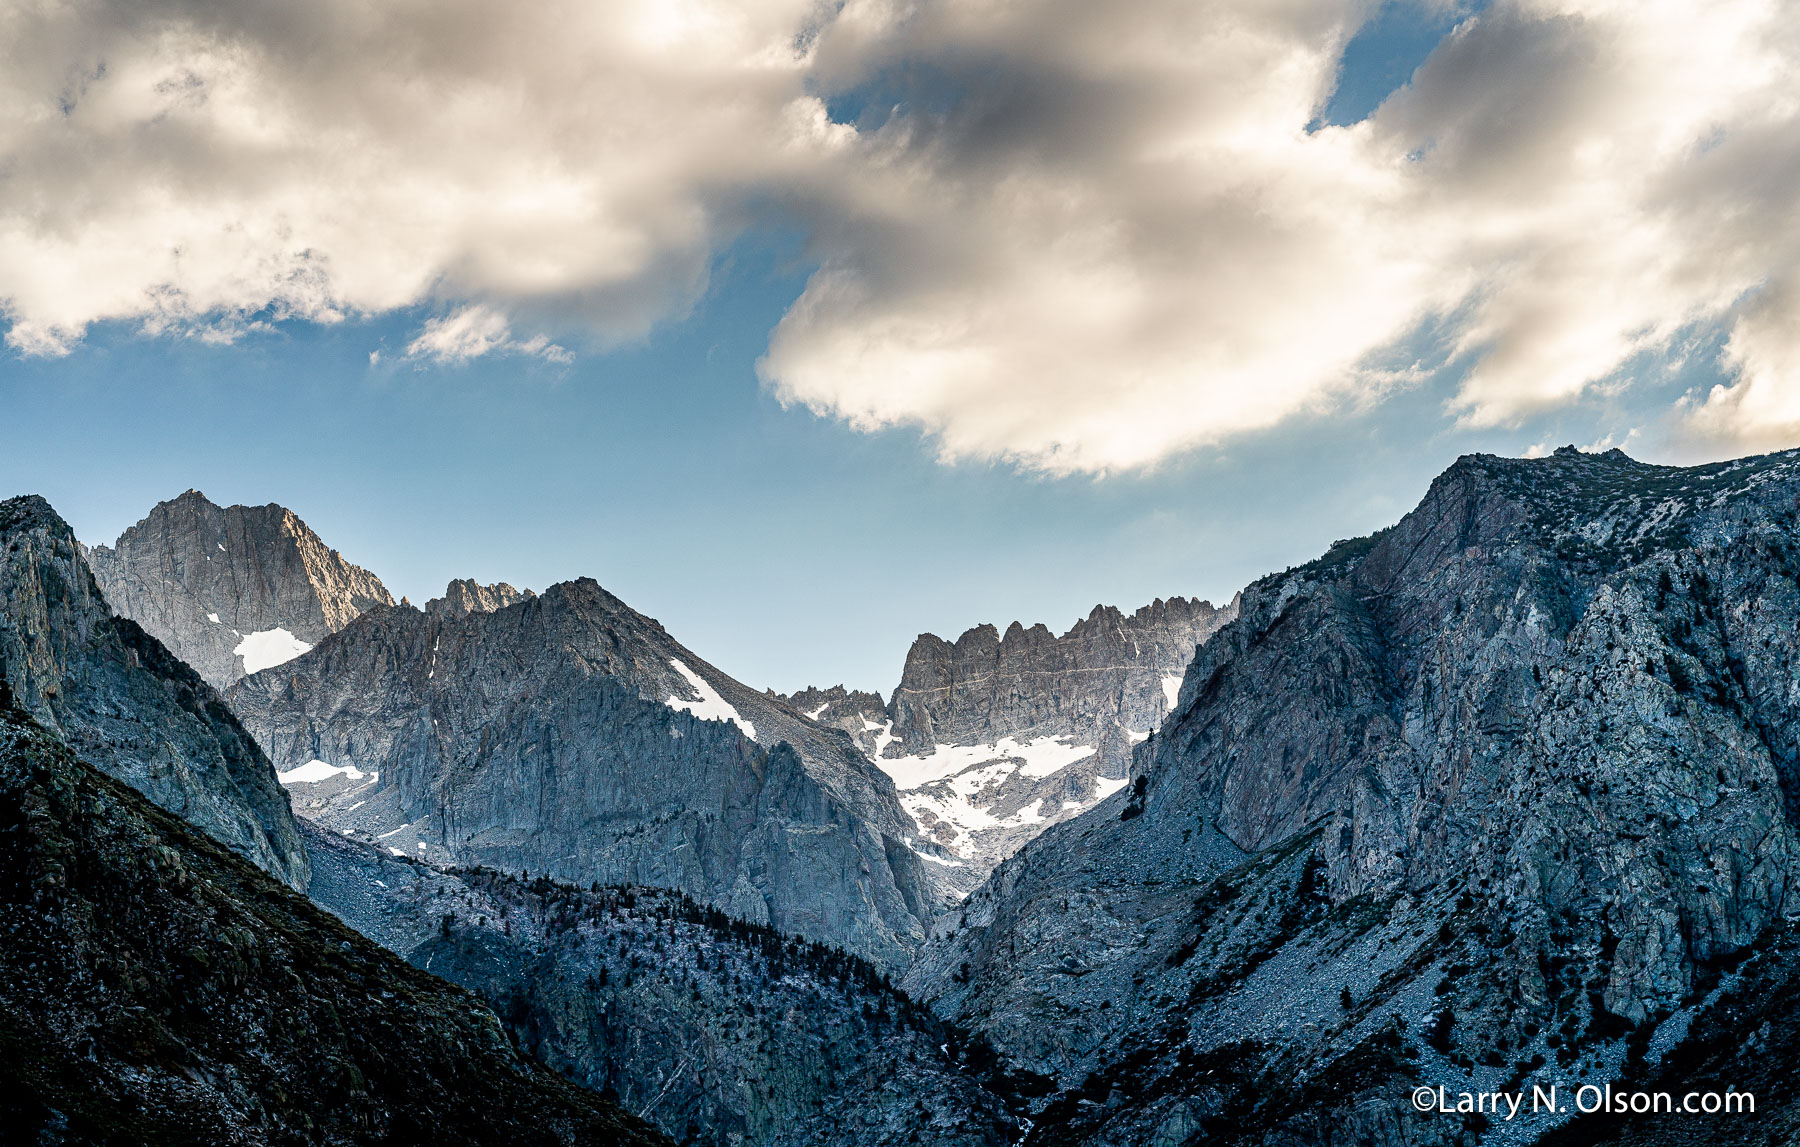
<point x="231" y="589"/>
<point x="465" y="596"/>
<point x="124" y="703"/>
<point x="567" y="734"/>
<point x="716" y="1030"/>
<point x="861" y="716"/>
<point x="155" y="988"/>
<point x="996" y="737"/>
<point x="1504" y="794"/>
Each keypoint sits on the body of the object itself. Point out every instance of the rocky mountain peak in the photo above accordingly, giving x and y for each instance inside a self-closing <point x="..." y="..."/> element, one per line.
<point x="833" y="705"/>
<point x="232" y="590"/>
<point x="31" y="512"/>
<point x="568" y="733"/>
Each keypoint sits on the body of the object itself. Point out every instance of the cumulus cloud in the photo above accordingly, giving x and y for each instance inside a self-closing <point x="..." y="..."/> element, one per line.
<point x="195" y="165"/>
<point x="1079" y="237"/>
<point x="1124" y="240"/>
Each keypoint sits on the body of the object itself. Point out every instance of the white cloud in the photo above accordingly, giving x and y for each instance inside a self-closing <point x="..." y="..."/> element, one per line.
<point x="187" y="165"/>
<point x="1125" y="243"/>
<point x="473" y="331"/>
<point x="1086" y="237"/>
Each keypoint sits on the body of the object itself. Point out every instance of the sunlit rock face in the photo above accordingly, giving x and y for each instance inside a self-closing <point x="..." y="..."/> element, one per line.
<point x="1510" y="784"/>
<point x="232" y="590"/>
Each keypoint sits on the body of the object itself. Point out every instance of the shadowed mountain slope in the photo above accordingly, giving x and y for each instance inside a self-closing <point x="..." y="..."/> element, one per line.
<point x="157" y="989"/>
<point x="717" y="1030"/>
<point x="123" y="702"/>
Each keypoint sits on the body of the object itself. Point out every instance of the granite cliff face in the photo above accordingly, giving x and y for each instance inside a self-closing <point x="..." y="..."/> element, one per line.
<point x="567" y="734"/>
<point x="121" y="701"/>
<point x="996" y="737"/>
<point x="718" y="1031"/>
<point x="155" y="988"/>
<point x="1496" y="795"/>
<point x="231" y="590"/>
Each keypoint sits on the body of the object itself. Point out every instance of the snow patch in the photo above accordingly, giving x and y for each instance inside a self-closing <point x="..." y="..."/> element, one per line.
<point x="884" y="736"/>
<point x="940" y="860"/>
<point x="1136" y="737"/>
<point x="1043" y="756"/>
<point x="1172" y="688"/>
<point x="1046" y="756"/>
<point x="1107" y="786"/>
<point x="214" y="618"/>
<point x="814" y="715"/>
<point x="269" y="647"/>
<point x="314" y="771"/>
<point x="710" y="706"/>
<point x="964" y="818"/>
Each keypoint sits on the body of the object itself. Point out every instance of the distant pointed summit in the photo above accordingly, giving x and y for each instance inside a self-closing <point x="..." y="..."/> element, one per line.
<point x="232" y="590"/>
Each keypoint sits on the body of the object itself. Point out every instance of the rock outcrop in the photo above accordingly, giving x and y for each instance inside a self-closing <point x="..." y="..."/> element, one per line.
<point x="567" y="734"/>
<point x="716" y="1030"/>
<point x="231" y="590"/>
<point x="465" y="596"/>
<point x="994" y="738"/>
<point x="155" y="988"/>
<point x="124" y="703"/>
<point x="862" y="716"/>
<point x="1487" y="797"/>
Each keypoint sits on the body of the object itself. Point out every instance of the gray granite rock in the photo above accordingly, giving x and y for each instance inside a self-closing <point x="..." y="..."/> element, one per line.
<point x="996" y="737"/>
<point x="464" y="596"/>
<point x="568" y="734"/>
<point x="1487" y="796"/>
<point x="224" y="585"/>
<point x="125" y="704"/>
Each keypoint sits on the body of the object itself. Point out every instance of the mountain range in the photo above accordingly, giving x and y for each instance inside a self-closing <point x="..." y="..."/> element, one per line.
<point x="1504" y="796"/>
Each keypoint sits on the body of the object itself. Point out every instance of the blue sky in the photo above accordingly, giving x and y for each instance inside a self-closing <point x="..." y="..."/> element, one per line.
<point x="781" y="543"/>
